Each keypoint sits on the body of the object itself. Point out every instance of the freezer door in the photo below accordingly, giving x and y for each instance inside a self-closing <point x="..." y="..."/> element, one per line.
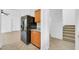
<point x="24" y="36"/>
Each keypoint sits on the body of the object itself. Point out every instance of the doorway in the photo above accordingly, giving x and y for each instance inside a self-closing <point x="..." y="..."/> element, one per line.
<point x="58" y="30"/>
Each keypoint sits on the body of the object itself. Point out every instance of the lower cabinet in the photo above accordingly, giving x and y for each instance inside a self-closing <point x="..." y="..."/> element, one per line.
<point x="35" y="38"/>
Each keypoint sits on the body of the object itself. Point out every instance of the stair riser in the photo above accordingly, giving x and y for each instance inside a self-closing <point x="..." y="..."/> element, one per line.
<point x="69" y="40"/>
<point x="69" y="27"/>
<point x="71" y="33"/>
<point x="68" y="36"/>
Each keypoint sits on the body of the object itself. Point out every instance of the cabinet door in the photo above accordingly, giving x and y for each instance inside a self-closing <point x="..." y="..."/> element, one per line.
<point x="37" y="15"/>
<point x="35" y="38"/>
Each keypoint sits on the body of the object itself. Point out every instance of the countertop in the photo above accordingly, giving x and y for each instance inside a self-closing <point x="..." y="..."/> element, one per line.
<point x="36" y="30"/>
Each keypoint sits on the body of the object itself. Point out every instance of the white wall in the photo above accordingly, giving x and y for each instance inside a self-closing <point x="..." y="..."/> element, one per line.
<point x="0" y="21"/>
<point x="0" y="31"/>
<point x="17" y="16"/>
<point x="68" y="16"/>
<point x="77" y="30"/>
<point x="56" y="23"/>
<point x="6" y="21"/>
<point x="59" y="18"/>
<point x="16" y="20"/>
<point x="13" y="21"/>
<point x="44" y="29"/>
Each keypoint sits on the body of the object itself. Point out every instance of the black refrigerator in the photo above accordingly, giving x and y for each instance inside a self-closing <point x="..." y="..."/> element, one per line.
<point x="27" y="23"/>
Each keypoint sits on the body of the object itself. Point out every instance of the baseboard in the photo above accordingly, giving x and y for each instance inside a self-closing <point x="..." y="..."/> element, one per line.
<point x="16" y="31"/>
<point x="11" y="31"/>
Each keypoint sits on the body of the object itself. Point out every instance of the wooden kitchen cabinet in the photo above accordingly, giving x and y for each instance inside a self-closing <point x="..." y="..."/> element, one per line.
<point x="35" y="38"/>
<point x="38" y="16"/>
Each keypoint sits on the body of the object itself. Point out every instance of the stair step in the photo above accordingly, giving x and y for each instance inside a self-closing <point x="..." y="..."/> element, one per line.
<point x="68" y="32"/>
<point x="69" y="25"/>
<point x="70" y="38"/>
<point x="68" y="35"/>
<point x="69" y="29"/>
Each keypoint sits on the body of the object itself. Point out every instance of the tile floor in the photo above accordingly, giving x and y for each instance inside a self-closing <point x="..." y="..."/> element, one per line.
<point x="57" y="44"/>
<point x="12" y="42"/>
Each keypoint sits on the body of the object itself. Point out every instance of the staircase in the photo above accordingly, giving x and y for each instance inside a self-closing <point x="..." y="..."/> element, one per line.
<point x="69" y="33"/>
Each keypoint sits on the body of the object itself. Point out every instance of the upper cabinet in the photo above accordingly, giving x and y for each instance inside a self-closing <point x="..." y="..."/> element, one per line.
<point x="38" y="15"/>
